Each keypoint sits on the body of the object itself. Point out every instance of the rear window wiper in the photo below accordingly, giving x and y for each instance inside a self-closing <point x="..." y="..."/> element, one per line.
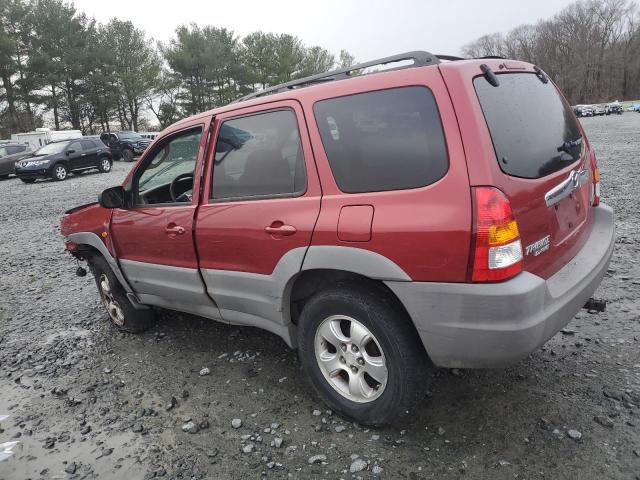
<point x="567" y="146"/>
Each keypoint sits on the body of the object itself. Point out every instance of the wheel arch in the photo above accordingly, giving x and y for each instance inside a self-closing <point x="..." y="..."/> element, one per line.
<point x="90" y="242"/>
<point x="308" y="282"/>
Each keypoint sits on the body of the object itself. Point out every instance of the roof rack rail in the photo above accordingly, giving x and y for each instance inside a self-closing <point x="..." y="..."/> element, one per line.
<point x="449" y="57"/>
<point x="420" y="59"/>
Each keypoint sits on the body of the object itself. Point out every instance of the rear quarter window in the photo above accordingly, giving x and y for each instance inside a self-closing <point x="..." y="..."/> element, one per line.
<point x="533" y="129"/>
<point x="383" y="140"/>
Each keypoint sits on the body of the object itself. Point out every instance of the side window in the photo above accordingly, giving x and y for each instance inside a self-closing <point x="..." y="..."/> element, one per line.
<point x="75" y="146"/>
<point x="87" y="145"/>
<point x="259" y="156"/>
<point x="167" y="176"/>
<point x="383" y="140"/>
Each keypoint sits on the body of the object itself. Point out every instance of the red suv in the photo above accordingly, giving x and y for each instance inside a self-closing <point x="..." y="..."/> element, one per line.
<point x="446" y="212"/>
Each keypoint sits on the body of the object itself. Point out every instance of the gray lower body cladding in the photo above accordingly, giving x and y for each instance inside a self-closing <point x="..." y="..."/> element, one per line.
<point x="494" y="325"/>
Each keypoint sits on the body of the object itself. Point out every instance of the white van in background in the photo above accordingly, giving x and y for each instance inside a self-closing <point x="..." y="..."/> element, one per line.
<point x="149" y="135"/>
<point x="41" y="136"/>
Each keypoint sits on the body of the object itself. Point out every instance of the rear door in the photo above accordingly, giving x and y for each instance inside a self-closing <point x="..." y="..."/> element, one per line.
<point x="90" y="153"/>
<point x="524" y="138"/>
<point x="260" y="206"/>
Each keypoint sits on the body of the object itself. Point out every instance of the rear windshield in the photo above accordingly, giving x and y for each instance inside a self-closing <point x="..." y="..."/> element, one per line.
<point x="383" y="140"/>
<point x="533" y="129"/>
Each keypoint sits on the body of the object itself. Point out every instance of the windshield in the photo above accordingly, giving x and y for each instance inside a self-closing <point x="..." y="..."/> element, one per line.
<point x="533" y="129"/>
<point x="129" y="135"/>
<point x="51" y="149"/>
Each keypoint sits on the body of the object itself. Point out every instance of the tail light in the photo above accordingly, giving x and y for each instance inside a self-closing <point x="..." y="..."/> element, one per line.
<point x="497" y="252"/>
<point x="595" y="178"/>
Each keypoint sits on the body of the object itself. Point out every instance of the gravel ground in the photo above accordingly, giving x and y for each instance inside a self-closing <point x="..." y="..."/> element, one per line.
<point x="87" y="402"/>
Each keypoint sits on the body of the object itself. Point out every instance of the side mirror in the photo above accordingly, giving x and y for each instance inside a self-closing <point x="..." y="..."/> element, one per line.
<point x="69" y="152"/>
<point x="112" y="197"/>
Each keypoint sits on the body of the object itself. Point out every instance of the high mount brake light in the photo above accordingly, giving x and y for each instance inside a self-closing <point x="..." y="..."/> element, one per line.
<point x="497" y="247"/>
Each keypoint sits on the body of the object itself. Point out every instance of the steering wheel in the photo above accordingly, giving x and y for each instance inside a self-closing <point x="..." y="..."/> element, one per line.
<point x="174" y="183"/>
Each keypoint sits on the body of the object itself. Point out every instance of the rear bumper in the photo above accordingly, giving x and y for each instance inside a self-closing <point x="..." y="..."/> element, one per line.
<point x="494" y="325"/>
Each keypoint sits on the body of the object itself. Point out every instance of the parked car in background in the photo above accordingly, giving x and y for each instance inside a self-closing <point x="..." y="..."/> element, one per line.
<point x="10" y="153"/>
<point x="599" y="110"/>
<point x="583" y="110"/>
<point x="445" y="212"/>
<point x="125" y="145"/>
<point x="614" y="108"/>
<point x="57" y="159"/>
<point x="9" y="148"/>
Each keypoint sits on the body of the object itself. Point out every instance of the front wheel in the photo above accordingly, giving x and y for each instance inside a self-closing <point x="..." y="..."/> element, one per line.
<point x="121" y="312"/>
<point x="60" y="172"/>
<point x="362" y="354"/>
<point x="104" y="165"/>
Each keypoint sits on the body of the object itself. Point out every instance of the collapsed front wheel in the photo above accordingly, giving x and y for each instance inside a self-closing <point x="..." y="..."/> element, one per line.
<point x="362" y="354"/>
<point x="121" y="312"/>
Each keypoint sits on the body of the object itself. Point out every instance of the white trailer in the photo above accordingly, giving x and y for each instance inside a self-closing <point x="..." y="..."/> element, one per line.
<point x="41" y="136"/>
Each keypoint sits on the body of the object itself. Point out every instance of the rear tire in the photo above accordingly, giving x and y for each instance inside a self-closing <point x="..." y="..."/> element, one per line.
<point x="104" y="164"/>
<point x="127" y="155"/>
<point x="122" y="314"/>
<point x="28" y="180"/>
<point x="60" y="172"/>
<point x="362" y="354"/>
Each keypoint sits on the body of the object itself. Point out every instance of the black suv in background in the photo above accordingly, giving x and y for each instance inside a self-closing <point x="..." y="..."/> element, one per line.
<point x="125" y="145"/>
<point x="10" y="153"/>
<point x="55" y="160"/>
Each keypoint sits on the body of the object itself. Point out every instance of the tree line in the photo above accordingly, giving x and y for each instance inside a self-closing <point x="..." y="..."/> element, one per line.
<point x="90" y="76"/>
<point x="591" y="49"/>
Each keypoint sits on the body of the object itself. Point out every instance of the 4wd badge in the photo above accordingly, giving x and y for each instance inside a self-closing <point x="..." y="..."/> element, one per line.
<point x="538" y="247"/>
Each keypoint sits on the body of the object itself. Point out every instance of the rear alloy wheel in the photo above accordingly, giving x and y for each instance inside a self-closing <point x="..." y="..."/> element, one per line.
<point x="105" y="165"/>
<point x="361" y="353"/>
<point x="127" y="155"/>
<point x="60" y="172"/>
<point x="350" y="358"/>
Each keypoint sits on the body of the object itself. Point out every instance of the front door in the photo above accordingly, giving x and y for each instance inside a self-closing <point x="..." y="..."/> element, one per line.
<point x="154" y="238"/>
<point x="263" y="201"/>
<point x="75" y="156"/>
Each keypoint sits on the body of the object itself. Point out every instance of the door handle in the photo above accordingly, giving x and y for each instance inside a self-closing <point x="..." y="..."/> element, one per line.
<point x="173" y="229"/>
<point x="83" y="154"/>
<point x="278" y="228"/>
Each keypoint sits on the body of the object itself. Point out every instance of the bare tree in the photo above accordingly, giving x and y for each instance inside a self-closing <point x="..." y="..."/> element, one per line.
<point x="590" y="48"/>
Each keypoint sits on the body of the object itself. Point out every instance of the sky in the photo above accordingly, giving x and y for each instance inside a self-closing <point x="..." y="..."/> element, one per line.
<point x="367" y="29"/>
